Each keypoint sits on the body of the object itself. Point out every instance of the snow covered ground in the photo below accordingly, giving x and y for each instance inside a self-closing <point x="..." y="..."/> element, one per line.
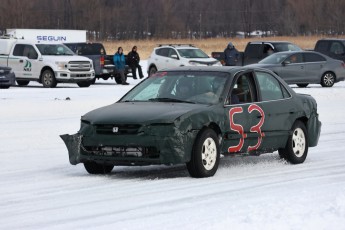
<point x="39" y="189"/>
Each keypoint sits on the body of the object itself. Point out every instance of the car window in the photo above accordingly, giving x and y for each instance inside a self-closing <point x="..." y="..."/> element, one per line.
<point x="279" y="47"/>
<point x="87" y="48"/>
<point x="312" y="57"/>
<point x="321" y="46"/>
<point x="253" y="50"/>
<point x="275" y="58"/>
<point x="270" y="88"/>
<point x="243" y="90"/>
<point x="163" y="52"/>
<point x="191" y="87"/>
<point x="172" y="52"/>
<point x="294" y="58"/>
<point x="18" y="50"/>
<point x="336" y="48"/>
<point x="25" y="51"/>
<point x="192" y="53"/>
<point x="54" y="49"/>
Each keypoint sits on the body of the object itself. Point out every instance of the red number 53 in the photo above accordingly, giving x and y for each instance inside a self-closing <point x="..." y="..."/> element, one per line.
<point x="239" y="128"/>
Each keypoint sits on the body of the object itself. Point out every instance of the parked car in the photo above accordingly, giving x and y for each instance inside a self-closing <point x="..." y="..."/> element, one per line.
<point x="7" y="77"/>
<point x="174" y="55"/>
<point x="102" y="63"/>
<point x="334" y="48"/>
<point x="192" y="115"/>
<point x="258" y="50"/>
<point x="304" y="68"/>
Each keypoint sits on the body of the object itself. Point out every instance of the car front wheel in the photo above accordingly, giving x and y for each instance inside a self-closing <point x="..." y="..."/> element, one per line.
<point x="328" y="79"/>
<point x="296" y="148"/>
<point x="94" y="168"/>
<point x="48" y="79"/>
<point x="152" y="70"/>
<point x="205" y="155"/>
<point x="302" y="85"/>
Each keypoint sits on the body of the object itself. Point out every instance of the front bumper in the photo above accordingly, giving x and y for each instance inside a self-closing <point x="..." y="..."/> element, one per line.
<point x="130" y="149"/>
<point x="68" y="76"/>
<point x="7" y="80"/>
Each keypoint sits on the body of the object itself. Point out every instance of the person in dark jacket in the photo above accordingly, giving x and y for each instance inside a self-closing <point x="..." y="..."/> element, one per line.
<point x="133" y="62"/>
<point x="231" y="55"/>
<point x="120" y="63"/>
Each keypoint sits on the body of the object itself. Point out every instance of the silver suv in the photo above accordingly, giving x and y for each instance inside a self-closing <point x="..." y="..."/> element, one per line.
<point x="175" y="55"/>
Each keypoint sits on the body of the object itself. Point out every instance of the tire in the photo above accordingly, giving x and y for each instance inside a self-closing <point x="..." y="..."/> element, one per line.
<point x="84" y="84"/>
<point x="296" y="148"/>
<point x="302" y="85"/>
<point x="94" y="168"/>
<point x="105" y="78"/>
<point x="48" y="79"/>
<point x="118" y="79"/>
<point x="205" y="155"/>
<point x="328" y="79"/>
<point x="152" y="70"/>
<point x="4" y="86"/>
<point x="93" y="81"/>
<point x="22" y="82"/>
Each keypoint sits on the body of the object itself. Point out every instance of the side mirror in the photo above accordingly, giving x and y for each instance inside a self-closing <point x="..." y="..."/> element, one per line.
<point x="174" y="56"/>
<point x="285" y="63"/>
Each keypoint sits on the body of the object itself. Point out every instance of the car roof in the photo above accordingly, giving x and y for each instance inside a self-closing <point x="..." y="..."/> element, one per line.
<point x="177" y="46"/>
<point x="227" y="69"/>
<point x="332" y="39"/>
<point x="272" y="42"/>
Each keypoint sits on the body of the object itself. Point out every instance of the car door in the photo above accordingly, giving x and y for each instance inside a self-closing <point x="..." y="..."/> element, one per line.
<point x="25" y="61"/>
<point x="161" y="58"/>
<point x="243" y="117"/>
<point x="292" y="69"/>
<point x="172" y="60"/>
<point x="278" y="110"/>
<point x="314" y="64"/>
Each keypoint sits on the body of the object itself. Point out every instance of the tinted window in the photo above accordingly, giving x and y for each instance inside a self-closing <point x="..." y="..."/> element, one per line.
<point x="163" y="52"/>
<point x="87" y="48"/>
<point x="54" y="49"/>
<point x="295" y="58"/>
<point x="18" y="50"/>
<point x="337" y="48"/>
<point x="279" y="47"/>
<point x="311" y="57"/>
<point x="253" y="50"/>
<point x="321" y="46"/>
<point x="269" y="86"/>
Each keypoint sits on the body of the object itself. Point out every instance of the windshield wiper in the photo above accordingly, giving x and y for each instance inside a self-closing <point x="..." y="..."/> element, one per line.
<point x="167" y="99"/>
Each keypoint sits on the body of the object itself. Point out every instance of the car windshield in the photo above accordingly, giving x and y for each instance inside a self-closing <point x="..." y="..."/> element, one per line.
<point x="54" y="49"/>
<point x="275" y="58"/>
<point x="192" y="53"/>
<point x="181" y="87"/>
<point x="280" y="47"/>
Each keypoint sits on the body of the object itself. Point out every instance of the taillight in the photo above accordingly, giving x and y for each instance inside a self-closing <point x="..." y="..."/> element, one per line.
<point x="101" y="60"/>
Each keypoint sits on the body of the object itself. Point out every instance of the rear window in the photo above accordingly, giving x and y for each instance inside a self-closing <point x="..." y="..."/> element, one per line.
<point x="279" y="47"/>
<point x="321" y="46"/>
<point x="87" y="48"/>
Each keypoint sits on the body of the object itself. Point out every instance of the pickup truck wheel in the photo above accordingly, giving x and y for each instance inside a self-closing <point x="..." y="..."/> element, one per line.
<point x="296" y="148"/>
<point x="22" y="82"/>
<point x="302" y="85"/>
<point x="4" y="86"/>
<point x="328" y="79"/>
<point x="84" y="84"/>
<point x="94" y="168"/>
<point x="152" y="70"/>
<point x="48" y="79"/>
<point x="205" y="155"/>
<point x="93" y="81"/>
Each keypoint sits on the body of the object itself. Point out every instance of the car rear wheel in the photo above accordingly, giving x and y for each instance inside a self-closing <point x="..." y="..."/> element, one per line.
<point x="328" y="79"/>
<point x="94" y="168"/>
<point x="22" y="82"/>
<point x="48" y="79"/>
<point x="118" y="78"/>
<point x="152" y="70"/>
<point x="205" y="155"/>
<point x="296" y="148"/>
<point x="302" y="85"/>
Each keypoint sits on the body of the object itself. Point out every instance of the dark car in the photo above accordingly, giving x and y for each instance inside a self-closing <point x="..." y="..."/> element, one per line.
<point x="7" y="77"/>
<point x="192" y="115"/>
<point x="334" y="48"/>
<point x="305" y="67"/>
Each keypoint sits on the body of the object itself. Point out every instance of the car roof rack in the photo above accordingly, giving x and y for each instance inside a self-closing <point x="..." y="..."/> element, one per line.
<point x="174" y="45"/>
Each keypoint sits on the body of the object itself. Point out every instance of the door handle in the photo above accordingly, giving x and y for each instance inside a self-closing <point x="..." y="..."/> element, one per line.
<point x="21" y="61"/>
<point x="292" y="111"/>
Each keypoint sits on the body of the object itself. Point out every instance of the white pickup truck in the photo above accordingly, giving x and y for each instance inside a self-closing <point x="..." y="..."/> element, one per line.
<point x="46" y="63"/>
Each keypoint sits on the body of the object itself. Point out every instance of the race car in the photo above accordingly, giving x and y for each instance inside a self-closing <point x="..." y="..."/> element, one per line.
<point x="192" y="115"/>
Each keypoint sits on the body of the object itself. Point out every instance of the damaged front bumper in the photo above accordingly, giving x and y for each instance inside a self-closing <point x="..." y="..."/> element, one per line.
<point x="130" y="149"/>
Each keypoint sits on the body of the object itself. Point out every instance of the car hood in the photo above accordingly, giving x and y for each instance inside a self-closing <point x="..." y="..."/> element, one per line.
<point x="66" y="58"/>
<point x="205" y="61"/>
<point x="140" y="112"/>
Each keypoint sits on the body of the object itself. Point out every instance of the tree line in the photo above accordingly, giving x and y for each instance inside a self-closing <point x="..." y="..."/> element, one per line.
<point x="145" y="19"/>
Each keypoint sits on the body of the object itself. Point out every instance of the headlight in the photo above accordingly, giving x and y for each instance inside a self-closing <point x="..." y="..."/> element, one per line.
<point x="61" y="65"/>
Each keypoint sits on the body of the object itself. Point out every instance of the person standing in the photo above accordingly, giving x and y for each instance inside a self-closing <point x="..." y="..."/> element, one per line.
<point x="120" y="64"/>
<point x="133" y="62"/>
<point x="231" y="55"/>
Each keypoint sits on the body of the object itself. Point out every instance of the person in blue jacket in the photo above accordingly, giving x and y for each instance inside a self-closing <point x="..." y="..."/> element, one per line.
<point x="231" y="55"/>
<point x="120" y="64"/>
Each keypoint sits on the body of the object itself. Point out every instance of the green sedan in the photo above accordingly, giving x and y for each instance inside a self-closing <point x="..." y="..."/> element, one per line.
<point x="193" y="115"/>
